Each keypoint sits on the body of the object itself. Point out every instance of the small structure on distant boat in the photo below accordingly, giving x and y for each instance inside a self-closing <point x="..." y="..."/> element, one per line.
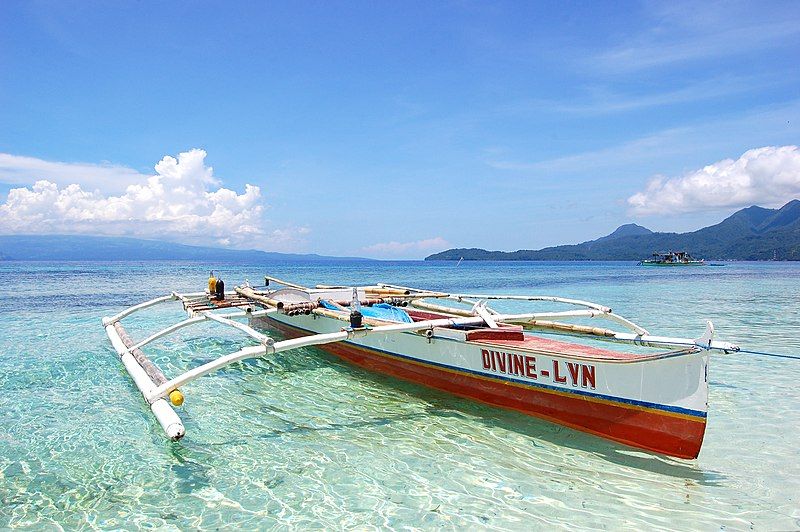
<point x="672" y="258"/>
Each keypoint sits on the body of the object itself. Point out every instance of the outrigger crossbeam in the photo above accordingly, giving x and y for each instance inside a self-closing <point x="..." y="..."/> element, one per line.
<point x="145" y="374"/>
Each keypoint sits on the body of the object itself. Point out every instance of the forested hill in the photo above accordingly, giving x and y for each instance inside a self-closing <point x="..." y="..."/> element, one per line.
<point x="754" y="233"/>
<point x="77" y="248"/>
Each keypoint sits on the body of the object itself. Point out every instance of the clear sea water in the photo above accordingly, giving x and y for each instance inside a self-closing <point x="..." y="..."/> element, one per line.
<point x="305" y="441"/>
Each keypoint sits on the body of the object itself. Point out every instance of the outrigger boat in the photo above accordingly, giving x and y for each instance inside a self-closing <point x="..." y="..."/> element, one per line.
<point x="672" y="258"/>
<point x="654" y="399"/>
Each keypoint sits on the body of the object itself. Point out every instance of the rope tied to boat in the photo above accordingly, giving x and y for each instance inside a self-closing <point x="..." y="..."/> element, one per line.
<point x="766" y="354"/>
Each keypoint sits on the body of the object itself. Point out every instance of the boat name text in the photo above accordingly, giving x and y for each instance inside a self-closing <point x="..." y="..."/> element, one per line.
<point x="574" y="373"/>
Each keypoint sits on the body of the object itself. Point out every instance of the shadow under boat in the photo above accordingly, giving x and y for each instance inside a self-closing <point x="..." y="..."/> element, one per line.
<point x="442" y="404"/>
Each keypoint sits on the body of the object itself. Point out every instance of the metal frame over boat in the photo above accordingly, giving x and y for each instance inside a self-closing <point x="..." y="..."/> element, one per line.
<point x="655" y="401"/>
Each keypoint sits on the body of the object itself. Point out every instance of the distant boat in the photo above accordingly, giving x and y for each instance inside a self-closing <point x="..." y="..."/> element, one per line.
<point x="459" y="261"/>
<point x="672" y="258"/>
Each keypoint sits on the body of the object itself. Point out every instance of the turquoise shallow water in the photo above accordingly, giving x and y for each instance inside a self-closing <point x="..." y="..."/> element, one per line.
<point x="303" y="440"/>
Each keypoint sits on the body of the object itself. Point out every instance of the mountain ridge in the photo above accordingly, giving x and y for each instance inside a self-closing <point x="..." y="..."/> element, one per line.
<point x="105" y="248"/>
<point x="752" y="233"/>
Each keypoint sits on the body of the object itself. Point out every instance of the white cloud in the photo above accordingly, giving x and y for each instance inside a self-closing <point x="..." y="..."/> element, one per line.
<point x="180" y="203"/>
<point x="680" y="32"/>
<point x="768" y="176"/>
<point x="406" y="248"/>
<point x="111" y="178"/>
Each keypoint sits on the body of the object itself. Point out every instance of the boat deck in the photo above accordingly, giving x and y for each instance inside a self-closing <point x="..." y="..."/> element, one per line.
<point x="558" y="347"/>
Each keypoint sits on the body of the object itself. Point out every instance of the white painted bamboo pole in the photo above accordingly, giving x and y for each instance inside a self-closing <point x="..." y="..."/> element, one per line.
<point x="481" y="311"/>
<point x="475" y="302"/>
<point x="578" y="314"/>
<point x="418" y="303"/>
<point x="163" y="412"/>
<point x="285" y="283"/>
<point x="166" y="331"/>
<point x="236" y="325"/>
<point x="554" y="299"/>
<point x="647" y="339"/>
<point x="187" y="295"/>
<point x="458" y="297"/>
<point x="418" y="290"/>
<point x="627" y="323"/>
<point x="658" y="341"/>
<point x="248" y="352"/>
<point x="130" y="310"/>
<point x="202" y="316"/>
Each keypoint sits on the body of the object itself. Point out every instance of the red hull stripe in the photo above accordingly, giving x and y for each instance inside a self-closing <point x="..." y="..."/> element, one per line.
<point x="632" y="404"/>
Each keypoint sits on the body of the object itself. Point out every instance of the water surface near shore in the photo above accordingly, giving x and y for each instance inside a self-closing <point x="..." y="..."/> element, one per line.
<point x="305" y="440"/>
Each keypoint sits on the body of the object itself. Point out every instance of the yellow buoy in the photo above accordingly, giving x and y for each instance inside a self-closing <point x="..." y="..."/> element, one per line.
<point x="176" y="397"/>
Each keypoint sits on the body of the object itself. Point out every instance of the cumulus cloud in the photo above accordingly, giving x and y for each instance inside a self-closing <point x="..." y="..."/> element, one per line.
<point x="183" y="201"/>
<point x="406" y="248"/>
<point x="768" y="176"/>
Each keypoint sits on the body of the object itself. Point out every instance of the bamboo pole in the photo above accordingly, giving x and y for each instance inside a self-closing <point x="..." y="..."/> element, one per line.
<point x="387" y="291"/>
<point x="164" y="332"/>
<point x="344" y="316"/>
<point x="627" y="323"/>
<point x="140" y="306"/>
<point x="439" y="308"/>
<point x="241" y="326"/>
<point x="414" y="291"/>
<point x="571" y="328"/>
<point x="152" y="370"/>
<point x="268" y="278"/>
<point x="251" y="294"/>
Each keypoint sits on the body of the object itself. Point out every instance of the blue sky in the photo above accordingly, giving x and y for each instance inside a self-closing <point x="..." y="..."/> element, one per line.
<point x="393" y="130"/>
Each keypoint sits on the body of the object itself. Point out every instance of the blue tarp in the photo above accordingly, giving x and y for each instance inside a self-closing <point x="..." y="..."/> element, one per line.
<point x="380" y="311"/>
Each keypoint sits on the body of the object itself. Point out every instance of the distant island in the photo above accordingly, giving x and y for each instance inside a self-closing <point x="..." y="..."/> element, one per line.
<point x="754" y="233"/>
<point x="101" y="248"/>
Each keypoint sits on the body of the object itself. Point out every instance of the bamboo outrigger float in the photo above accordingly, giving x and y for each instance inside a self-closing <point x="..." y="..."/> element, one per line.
<point x="655" y="401"/>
